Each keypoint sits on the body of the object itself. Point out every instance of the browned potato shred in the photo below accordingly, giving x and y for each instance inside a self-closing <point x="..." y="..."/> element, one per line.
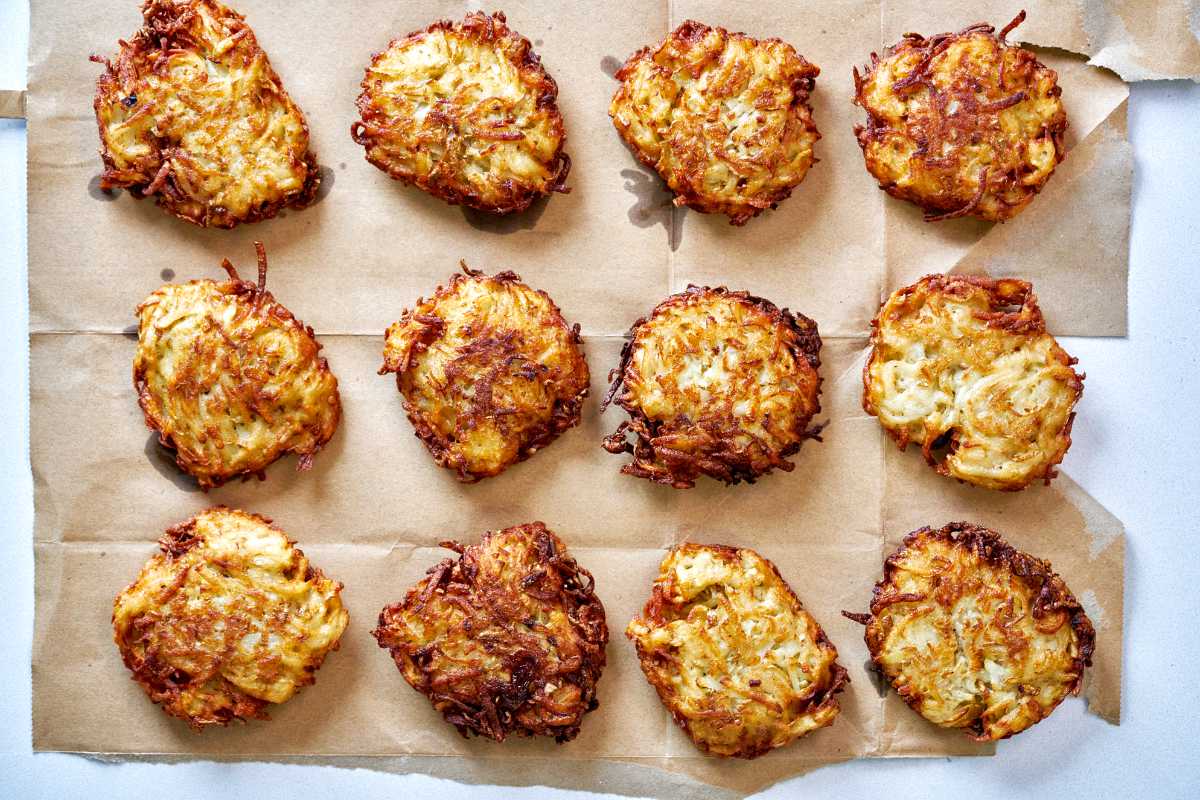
<point x="191" y="112"/>
<point x="508" y="638"/>
<point x="974" y="634"/>
<point x="723" y="118"/>
<point x="962" y="124"/>
<point x="466" y="112"/>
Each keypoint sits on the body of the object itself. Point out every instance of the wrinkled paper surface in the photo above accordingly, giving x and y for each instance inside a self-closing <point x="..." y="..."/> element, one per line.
<point x="372" y="510"/>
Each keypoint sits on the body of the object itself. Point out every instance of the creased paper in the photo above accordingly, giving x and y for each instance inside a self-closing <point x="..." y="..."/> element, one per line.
<point x="372" y="510"/>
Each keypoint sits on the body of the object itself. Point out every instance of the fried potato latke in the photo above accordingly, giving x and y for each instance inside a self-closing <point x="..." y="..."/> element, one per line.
<point x="229" y="618"/>
<point x="229" y="379"/>
<point x="964" y="367"/>
<point x="489" y="370"/>
<point x="962" y="124"/>
<point x="974" y="634"/>
<point x="191" y="111"/>
<point x="506" y="639"/>
<point x="722" y="117"/>
<point x="717" y="383"/>
<point x="466" y="112"/>
<point x="733" y="655"/>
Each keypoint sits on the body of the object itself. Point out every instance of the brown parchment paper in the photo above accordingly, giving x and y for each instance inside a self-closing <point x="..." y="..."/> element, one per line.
<point x="373" y="508"/>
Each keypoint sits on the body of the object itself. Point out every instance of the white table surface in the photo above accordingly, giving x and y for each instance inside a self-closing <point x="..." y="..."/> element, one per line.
<point x="1137" y="450"/>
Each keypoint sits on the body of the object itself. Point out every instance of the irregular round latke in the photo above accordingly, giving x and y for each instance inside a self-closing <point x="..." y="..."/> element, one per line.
<point x="191" y="112"/>
<point x="964" y="367"/>
<point x="962" y="124"/>
<point x="723" y="118"/>
<point x="506" y="639"/>
<point x="230" y="379"/>
<point x="228" y="619"/>
<point x="716" y="383"/>
<point x="489" y="370"/>
<point x="733" y="655"/>
<point x="466" y="112"/>
<point x="974" y="634"/>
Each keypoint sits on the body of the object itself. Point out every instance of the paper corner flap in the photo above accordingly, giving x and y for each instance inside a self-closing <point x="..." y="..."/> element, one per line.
<point x="12" y="103"/>
<point x="1105" y="560"/>
<point x="1139" y="40"/>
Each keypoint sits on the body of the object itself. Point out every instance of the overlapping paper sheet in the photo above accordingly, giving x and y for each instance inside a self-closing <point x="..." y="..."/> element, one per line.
<point x="372" y="510"/>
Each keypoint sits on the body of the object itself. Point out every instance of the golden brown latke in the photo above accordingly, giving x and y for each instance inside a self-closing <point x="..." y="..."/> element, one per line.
<point x="506" y="639"/>
<point x="490" y="372"/>
<point x="717" y="383"/>
<point x="191" y="111"/>
<point x="722" y="117"/>
<point x="466" y="112"/>
<point x="229" y="379"/>
<point x="974" y="634"/>
<point x="962" y="124"/>
<point x="228" y="619"/>
<point x="733" y="655"/>
<point x="964" y="367"/>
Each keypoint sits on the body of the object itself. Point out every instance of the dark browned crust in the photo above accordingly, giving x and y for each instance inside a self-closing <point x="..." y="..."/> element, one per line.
<point x="505" y="708"/>
<point x="938" y="211"/>
<point x="691" y="30"/>
<point x="565" y="415"/>
<point x="165" y="29"/>
<point x="660" y="611"/>
<point x="1013" y="308"/>
<point x="724" y="463"/>
<point x="258" y="301"/>
<point x="163" y="684"/>
<point x="484" y="29"/>
<point x="1052" y="597"/>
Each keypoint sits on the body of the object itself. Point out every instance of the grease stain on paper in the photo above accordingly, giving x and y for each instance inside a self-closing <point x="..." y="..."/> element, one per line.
<point x="163" y="461"/>
<point x="610" y="65"/>
<point x="328" y="176"/>
<point x="105" y="195"/>
<point x="506" y="223"/>
<point x="653" y="205"/>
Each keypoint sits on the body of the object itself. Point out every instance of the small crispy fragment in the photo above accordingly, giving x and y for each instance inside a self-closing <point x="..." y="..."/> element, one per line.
<point x="230" y="380"/>
<point x="961" y="124"/>
<point x="466" y="112"/>
<point x="506" y="639"/>
<point x="974" y="634"/>
<point x="191" y="112"/>
<point x="716" y="383"/>
<point x="723" y="118"/>
<point x="489" y="370"/>
<point x="229" y="618"/>
<point x="964" y="367"/>
<point x="734" y="656"/>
